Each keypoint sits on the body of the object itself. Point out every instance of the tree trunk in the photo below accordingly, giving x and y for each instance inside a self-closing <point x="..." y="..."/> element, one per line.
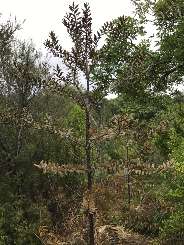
<point x="19" y="140"/>
<point x="128" y="175"/>
<point x="91" y="231"/>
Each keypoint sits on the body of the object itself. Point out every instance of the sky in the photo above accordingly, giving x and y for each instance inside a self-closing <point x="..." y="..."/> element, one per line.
<point x="42" y="16"/>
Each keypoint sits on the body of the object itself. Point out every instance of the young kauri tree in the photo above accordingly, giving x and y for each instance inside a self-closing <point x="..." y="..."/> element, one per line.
<point x="74" y="78"/>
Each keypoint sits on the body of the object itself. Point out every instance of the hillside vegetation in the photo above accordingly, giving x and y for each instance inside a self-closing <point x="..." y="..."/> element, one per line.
<point x="76" y="167"/>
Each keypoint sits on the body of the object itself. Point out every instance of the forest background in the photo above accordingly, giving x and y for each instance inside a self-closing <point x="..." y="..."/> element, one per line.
<point x="77" y="167"/>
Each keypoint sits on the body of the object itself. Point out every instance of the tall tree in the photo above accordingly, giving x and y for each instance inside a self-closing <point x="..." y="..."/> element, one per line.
<point x="23" y="78"/>
<point x="77" y="74"/>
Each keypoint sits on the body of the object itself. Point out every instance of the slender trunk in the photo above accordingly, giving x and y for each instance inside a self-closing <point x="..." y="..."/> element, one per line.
<point x="128" y="175"/>
<point x="129" y="190"/>
<point x="19" y="140"/>
<point x="88" y="152"/>
<point x="91" y="232"/>
<point x="20" y="127"/>
<point x="99" y="125"/>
